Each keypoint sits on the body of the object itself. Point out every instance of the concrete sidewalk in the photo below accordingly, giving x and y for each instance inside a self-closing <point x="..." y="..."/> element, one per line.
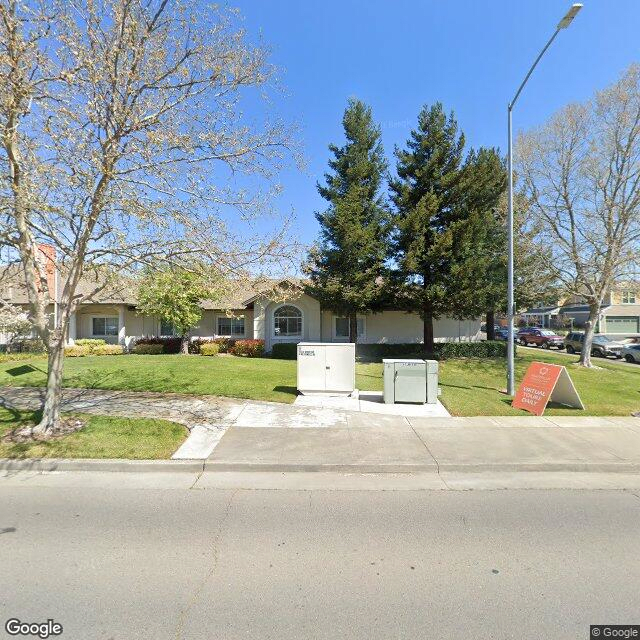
<point x="418" y="445"/>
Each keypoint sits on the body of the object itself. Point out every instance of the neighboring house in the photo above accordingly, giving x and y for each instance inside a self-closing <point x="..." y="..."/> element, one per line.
<point x="113" y="317"/>
<point x="619" y="313"/>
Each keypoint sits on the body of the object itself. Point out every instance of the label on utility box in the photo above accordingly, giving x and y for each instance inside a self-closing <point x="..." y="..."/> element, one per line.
<point x="306" y="352"/>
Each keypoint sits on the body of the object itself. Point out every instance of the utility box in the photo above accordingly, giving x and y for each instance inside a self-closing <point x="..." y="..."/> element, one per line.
<point x="326" y="368"/>
<point x="410" y="381"/>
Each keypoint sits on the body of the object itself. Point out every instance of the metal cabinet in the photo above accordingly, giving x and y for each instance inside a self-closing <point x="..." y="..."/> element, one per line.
<point x="326" y="368"/>
<point x="408" y="380"/>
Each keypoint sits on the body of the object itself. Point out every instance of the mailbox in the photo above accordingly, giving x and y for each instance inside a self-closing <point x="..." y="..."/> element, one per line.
<point x="410" y="381"/>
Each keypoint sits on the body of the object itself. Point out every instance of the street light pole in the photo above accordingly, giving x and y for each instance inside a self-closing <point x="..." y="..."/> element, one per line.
<point x="511" y="380"/>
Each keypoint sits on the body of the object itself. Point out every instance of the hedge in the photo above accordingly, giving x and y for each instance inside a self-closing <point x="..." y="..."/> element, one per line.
<point x="107" y="350"/>
<point x="76" y="351"/>
<point x="146" y="349"/>
<point x="248" y="348"/>
<point x="442" y="350"/>
<point x="285" y="351"/>
<point x="90" y="342"/>
<point x="81" y="350"/>
<point x="209" y="349"/>
<point x="225" y="344"/>
<point x="169" y="345"/>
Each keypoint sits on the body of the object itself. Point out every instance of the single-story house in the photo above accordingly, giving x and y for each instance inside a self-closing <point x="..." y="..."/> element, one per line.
<point x="113" y="316"/>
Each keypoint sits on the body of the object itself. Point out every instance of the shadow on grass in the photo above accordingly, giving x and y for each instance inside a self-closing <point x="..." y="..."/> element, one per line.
<point x="23" y="370"/>
<point x="286" y="389"/>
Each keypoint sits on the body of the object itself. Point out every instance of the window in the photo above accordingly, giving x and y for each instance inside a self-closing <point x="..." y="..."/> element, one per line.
<point x="167" y="328"/>
<point x="628" y="297"/>
<point x="105" y="326"/>
<point x="287" y="321"/>
<point x="342" y="327"/>
<point x="230" y="326"/>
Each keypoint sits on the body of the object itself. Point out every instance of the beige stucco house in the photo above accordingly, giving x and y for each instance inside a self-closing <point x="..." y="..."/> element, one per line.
<point x="114" y="318"/>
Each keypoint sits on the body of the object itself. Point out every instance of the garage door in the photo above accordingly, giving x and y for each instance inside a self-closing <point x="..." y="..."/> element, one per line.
<point x="622" y="324"/>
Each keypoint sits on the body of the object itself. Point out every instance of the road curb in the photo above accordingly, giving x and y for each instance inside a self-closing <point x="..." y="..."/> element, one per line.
<point x="84" y="464"/>
<point x="582" y="467"/>
<point x="197" y="466"/>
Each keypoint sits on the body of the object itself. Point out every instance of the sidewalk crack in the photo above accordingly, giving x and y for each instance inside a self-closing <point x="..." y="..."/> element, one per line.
<point x="424" y="444"/>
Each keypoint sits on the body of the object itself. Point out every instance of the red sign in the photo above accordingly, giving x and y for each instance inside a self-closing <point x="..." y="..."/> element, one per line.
<point x="544" y="382"/>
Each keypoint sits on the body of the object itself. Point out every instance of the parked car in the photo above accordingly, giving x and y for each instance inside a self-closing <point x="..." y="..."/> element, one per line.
<point x="544" y="338"/>
<point x="631" y="353"/>
<point x="602" y="346"/>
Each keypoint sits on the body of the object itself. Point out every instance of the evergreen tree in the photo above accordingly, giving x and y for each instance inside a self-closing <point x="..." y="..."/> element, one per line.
<point x="426" y="195"/>
<point x="480" y="269"/>
<point x="347" y="264"/>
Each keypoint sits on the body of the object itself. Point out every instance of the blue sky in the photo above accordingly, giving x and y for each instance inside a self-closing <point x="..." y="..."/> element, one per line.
<point x="398" y="55"/>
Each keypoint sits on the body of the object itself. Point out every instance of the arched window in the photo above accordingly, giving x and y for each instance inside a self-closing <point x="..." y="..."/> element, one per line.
<point x="287" y="321"/>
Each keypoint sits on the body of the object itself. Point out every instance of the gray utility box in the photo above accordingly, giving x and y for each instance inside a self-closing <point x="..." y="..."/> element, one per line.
<point x="410" y="381"/>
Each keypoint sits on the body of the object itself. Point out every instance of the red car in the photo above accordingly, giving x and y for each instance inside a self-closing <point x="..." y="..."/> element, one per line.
<point x="541" y="338"/>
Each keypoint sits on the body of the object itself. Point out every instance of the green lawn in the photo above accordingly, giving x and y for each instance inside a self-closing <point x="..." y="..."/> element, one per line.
<point x="102" y="437"/>
<point x="469" y="387"/>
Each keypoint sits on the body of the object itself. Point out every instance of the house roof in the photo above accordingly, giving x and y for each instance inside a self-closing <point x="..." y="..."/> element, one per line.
<point x="123" y="290"/>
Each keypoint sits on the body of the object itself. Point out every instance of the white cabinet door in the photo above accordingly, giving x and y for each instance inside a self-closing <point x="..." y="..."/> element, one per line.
<point x="311" y="368"/>
<point x="339" y="370"/>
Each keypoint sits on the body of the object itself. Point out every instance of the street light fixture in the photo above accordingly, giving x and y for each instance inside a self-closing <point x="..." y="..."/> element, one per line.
<point x="511" y="381"/>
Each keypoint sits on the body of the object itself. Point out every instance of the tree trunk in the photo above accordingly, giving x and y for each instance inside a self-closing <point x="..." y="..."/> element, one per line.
<point x="589" y="330"/>
<point x="491" y="323"/>
<point x="353" y="328"/>
<point x="53" y="395"/>
<point x="184" y="343"/>
<point x="428" y="332"/>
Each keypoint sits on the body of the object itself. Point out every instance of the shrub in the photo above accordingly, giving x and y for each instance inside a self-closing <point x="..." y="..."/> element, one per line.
<point x="90" y="342"/>
<point x="107" y="350"/>
<point x="442" y="350"/>
<point x="209" y="349"/>
<point x="76" y="351"/>
<point x="196" y="345"/>
<point x="27" y="345"/>
<point x="248" y="348"/>
<point x="153" y="349"/>
<point x="285" y="351"/>
<point x="225" y="344"/>
<point x="170" y="345"/>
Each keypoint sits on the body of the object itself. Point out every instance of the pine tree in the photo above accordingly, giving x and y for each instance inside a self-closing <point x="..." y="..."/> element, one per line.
<point x="426" y="195"/>
<point x="480" y="266"/>
<point x="347" y="265"/>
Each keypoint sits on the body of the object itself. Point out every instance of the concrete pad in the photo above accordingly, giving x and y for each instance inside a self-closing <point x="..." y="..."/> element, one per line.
<point x="201" y="442"/>
<point x="371" y="402"/>
<point x="507" y="446"/>
<point x="257" y="415"/>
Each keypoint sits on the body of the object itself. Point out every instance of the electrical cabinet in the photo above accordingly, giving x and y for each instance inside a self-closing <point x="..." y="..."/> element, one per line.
<point x="408" y="380"/>
<point x="326" y="368"/>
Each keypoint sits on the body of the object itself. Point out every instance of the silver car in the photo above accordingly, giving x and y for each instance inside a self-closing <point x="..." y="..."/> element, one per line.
<point x="631" y="353"/>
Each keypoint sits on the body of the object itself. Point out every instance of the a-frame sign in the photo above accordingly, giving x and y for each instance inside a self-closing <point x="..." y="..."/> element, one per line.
<point x="545" y="383"/>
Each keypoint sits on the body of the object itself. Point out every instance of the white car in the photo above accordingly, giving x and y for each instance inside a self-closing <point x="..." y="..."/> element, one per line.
<point x="631" y="353"/>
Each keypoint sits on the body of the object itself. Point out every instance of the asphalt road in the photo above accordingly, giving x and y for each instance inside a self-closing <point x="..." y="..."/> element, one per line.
<point x="127" y="560"/>
<point x="594" y="359"/>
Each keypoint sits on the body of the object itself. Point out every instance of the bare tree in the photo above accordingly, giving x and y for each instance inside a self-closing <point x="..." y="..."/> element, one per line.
<point x="123" y="143"/>
<point x="581" y="171"/>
